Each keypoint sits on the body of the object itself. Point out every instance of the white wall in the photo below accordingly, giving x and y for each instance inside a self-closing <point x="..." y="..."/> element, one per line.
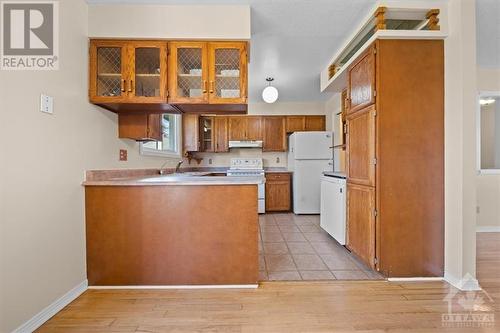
<point x="170" y="22"/>
<point x="488" y="185"/>
<point x="460" y="142"/>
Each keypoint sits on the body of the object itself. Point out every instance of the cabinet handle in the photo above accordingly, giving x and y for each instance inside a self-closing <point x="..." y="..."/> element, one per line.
<point x="205" y="86"/>
<point x="211" y="87"/>
<point x="130" y="89"/>
<point x="122" y="87"/>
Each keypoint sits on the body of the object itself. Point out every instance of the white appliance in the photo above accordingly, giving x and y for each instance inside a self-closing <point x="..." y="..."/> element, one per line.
<point x="245" y="167"/>
<point x="309" y="154"/>
<point x="333" y="207"/>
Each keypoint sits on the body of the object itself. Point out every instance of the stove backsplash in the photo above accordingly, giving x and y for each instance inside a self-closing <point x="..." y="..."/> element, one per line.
<point x="270" y="159"/>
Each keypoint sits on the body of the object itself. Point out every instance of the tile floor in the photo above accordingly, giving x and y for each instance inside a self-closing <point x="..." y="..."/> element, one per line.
<point x="294" y="247"/>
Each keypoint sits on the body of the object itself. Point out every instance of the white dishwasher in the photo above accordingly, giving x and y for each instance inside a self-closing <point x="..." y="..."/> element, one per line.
<point x="333" y="206"/>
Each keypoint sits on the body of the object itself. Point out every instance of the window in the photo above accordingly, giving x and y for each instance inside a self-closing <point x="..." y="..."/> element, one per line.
<point x="489" y="132"/>
<point x="170" y="145"/>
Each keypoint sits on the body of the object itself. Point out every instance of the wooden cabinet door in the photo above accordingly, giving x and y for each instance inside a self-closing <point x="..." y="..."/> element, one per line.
<point x="237" y="128"/>
<point x="155" y="128"/>
<point x="108" y="71"/>
<point x="254" y="128"/>
<point x="315" y="123"/>
<point x="361" y="81"/>
<point x="207" y="134"/>
<point x="361" y="222"/>
<point x="221" y="134"/>
<point x="360" y="159"/>
<point x="140" y="126"/>
<point x="274" y="135"/>
<point x="190" y="132"/>
<point x="295" y="124"/>
<point x="227" y="72"/>
<point x="147" y="65"/>
<point x="278" y="192"/>
<point x="188" y="72"/>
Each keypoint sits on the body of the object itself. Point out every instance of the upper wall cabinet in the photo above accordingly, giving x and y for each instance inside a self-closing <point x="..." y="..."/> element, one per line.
<point x="207" y="72"/>
<point x="361" y="86"/>
<point x="188" y="72"/>
<point x="128" y="72"/>
<point x="228" y="73"/>
<point x="169" y="77"/>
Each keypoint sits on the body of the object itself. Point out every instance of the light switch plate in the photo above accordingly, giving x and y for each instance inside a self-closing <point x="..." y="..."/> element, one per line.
<point x="46" y="104"/>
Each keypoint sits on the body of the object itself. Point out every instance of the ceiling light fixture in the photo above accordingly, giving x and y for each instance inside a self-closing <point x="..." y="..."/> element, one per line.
<point x="270" y="93"/>
<point x="486" y="101"/>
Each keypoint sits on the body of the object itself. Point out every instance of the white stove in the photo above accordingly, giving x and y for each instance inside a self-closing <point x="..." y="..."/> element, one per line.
<point x="250" y="167"/>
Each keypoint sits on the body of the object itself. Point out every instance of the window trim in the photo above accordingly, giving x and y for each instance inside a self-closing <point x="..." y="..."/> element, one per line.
<point x="481" y="94"/>
<point x="167" y="153"/>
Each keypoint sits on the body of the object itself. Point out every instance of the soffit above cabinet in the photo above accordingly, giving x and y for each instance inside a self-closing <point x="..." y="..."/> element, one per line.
<point x="169" y="22"/>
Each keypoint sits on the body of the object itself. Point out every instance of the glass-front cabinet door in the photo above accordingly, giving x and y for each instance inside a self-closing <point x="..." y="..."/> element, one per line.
<point x="228" y="74"/>
<point x="207" y="134"/>
<point x="108" y="71"/>
<point x="188" y="74"/>
<point x="147" y="81"/>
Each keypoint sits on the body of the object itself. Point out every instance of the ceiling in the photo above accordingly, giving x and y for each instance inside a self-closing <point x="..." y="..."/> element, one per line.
<point x="488" y="33"/>
<point x="292" y="40"/>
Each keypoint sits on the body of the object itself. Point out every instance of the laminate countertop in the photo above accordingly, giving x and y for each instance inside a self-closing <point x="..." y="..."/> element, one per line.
<point x="198" y="178"/>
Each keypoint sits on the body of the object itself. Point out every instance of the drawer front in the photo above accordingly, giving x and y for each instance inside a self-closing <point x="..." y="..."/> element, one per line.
<point x="277" y="176"/>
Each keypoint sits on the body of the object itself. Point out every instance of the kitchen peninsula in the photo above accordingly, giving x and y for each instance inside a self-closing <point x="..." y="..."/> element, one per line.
<point x="177" y="229"/>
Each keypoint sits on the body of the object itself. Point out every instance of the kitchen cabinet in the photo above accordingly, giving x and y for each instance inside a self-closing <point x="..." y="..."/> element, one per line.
<point x="274" y="135"/>
<point x="221" y="134"/>
<point x="245" y="128"/>
<point x="395" y="204"/>
<point x="227" y="72"/>
<point x="191" y="132"/>
<point x="208" y="72"/>
<point x="361" y="85"/>
<point x="305" y="123"/>
<point x="278" y="192"/>
<point x="295" y="124"/>
<point x="140" y="127"/>
<point x="188" y="72"/>
<point x="361" y="160"/>
<point x="207" y="134"/>
<point x="361" y="226"/>
<point x="169" y="77"/>
<point x="128" y="72"/>
<point x="315" y="123"/>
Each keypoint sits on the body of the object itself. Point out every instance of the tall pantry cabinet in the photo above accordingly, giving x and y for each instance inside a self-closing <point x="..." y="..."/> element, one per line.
<point x="395" y="157"/>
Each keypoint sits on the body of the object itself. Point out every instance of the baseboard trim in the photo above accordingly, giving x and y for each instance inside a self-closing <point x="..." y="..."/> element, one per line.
<point x="414" y="279"/>
<point x="41" y="317"/>
<point x="222" y="286"/>
<point x="488" y="229"/>
<point x="466" y="284"/>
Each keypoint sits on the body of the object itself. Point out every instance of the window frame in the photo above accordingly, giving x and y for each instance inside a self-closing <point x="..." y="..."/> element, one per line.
<point x="482" y="94"/>
<point x="177" y="152"/>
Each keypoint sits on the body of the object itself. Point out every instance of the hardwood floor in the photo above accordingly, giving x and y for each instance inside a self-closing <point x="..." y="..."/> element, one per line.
<point x="333" y="306"/>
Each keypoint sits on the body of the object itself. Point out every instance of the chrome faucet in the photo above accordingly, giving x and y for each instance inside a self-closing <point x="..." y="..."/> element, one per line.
<point x="178" y="166"/>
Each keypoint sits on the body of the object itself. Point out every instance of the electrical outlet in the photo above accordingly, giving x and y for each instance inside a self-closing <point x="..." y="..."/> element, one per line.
<point x="123" y="154"/>
<point x="209" y="161"/>
<point x="277" y="160"/>
<point x="46" y="104"/>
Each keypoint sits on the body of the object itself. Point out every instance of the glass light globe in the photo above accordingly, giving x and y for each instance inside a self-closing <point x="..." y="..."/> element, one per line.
<point x="270" y="94"/>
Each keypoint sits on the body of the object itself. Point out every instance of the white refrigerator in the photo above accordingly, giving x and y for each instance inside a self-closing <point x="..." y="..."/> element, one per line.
<point x="309" y="154"/>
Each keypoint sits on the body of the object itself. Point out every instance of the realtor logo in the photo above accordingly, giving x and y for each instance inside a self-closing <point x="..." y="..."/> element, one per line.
<point x="29" y="35"/>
